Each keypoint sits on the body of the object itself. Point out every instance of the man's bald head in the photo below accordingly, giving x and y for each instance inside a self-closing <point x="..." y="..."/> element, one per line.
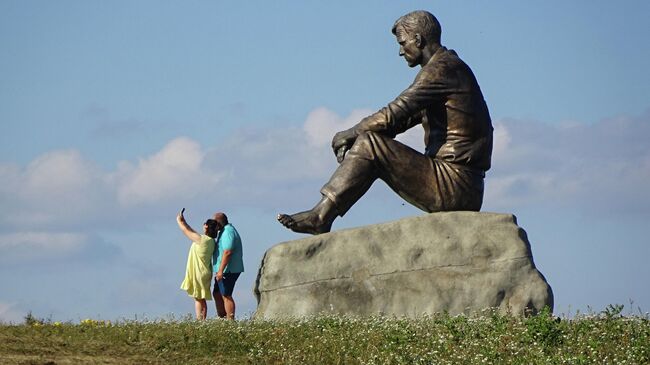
<point x="221" y="218"/>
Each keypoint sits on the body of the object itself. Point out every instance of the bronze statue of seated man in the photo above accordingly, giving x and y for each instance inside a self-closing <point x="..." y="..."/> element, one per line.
<point x="446" y="100"/>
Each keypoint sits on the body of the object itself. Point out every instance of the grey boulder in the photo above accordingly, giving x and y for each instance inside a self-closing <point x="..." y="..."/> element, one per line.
<point x="455" y="262"/>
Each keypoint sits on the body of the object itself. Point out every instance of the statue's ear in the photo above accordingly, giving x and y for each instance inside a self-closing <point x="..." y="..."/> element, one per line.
<point x="419" y="41"/>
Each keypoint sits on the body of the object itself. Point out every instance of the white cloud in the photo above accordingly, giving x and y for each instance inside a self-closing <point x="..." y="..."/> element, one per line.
<point x="61" y="189"/>
<point x="41" y="242"/>
<point x="279" y="167"/>
<point x="321" y="124"/>
<point x="55" y="187"/>
<point x="58" y="173"/>
<point x="175" y="171"/>
<point x="19" y="247"/>
<point x="600" y="168"/>
<point x="55" y="207"/>
<point x="502" y="140"/>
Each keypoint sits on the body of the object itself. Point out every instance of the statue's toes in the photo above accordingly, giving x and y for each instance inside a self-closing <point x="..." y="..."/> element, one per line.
<point x="286" y="220"/>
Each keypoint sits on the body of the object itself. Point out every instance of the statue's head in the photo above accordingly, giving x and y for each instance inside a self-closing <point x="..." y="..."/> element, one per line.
<point x="415" y="31"/>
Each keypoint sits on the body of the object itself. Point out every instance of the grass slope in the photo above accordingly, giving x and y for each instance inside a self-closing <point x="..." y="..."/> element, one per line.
<point x="491" y="338"/>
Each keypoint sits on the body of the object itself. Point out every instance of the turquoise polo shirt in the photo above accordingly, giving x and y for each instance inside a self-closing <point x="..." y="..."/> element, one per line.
<point x="228" y="239"/>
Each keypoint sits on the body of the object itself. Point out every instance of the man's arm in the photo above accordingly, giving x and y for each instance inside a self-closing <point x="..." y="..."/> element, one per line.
<point x="224" y="262"/>
<point x="227" y="242"/>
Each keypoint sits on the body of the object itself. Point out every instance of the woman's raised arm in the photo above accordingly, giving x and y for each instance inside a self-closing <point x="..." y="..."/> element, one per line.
<point x="186" y="229"/>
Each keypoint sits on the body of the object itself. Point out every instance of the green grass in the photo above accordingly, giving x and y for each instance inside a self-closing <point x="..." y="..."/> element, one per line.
<point x="490" y="338"/>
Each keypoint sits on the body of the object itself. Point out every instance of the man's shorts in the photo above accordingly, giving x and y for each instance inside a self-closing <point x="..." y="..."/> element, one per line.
<point x="227" y="284"/>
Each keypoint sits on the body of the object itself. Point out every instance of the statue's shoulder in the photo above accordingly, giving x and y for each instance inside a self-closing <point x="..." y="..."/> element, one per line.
<point x="448" y="57"/>
<point x="443" y="63"/>
<point x="446" y="63"/>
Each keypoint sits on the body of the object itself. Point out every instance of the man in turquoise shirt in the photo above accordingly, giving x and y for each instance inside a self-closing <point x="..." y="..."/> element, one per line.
<point x="228" y="264"/>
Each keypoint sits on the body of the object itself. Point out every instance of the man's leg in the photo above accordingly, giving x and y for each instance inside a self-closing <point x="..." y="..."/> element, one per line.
<point x="218" y="301"/>
<point x="229" y="303"/>
<point x="226" y="287"/>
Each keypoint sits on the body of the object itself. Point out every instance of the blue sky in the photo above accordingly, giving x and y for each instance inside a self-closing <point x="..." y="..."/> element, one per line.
<point x="116" y="114"/>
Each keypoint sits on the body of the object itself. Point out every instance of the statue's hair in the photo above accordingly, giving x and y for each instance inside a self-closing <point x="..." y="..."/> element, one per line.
<point x="422" y="22"/>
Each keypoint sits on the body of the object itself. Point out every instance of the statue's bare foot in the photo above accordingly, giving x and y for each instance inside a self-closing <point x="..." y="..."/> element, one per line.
<point x="305" y="222"/>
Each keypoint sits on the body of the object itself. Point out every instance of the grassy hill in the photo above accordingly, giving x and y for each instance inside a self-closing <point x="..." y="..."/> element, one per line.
<point x="491" y="338"/>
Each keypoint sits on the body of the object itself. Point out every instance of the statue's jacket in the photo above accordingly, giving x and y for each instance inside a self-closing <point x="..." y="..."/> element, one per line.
<point x="447" y="100"/>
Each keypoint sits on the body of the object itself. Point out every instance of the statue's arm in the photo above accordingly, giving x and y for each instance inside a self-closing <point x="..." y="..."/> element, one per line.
<point x="399" y="115"/>
<point x="407" y="109"/>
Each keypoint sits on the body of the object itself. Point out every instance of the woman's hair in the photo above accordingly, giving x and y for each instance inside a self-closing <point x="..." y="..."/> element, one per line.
<point x="212" y="228"/>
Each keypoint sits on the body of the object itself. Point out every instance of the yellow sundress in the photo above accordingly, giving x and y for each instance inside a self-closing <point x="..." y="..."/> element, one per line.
<point x="198" y="274"/>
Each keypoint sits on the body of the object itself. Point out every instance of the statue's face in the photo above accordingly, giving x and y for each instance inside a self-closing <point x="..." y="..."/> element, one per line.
<point x="408" y="47"/>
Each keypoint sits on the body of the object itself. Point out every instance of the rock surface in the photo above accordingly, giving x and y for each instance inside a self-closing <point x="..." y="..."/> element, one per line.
<point x="459" y="262"/>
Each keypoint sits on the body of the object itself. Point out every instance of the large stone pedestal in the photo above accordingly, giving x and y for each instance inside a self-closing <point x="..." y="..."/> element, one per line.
<point x="457" y="262"/>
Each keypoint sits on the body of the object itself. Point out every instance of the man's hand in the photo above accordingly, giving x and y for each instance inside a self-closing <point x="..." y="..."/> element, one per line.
<point x="342" y="142"/>
<point x="218" y="275"/>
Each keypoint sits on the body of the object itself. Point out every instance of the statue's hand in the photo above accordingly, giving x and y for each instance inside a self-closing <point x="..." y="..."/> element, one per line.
<point x="342" y="142"/>
<point x="340" y="153"/>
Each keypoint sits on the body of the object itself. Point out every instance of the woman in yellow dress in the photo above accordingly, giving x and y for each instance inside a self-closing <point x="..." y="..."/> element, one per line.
<point x="198" y="274"/>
